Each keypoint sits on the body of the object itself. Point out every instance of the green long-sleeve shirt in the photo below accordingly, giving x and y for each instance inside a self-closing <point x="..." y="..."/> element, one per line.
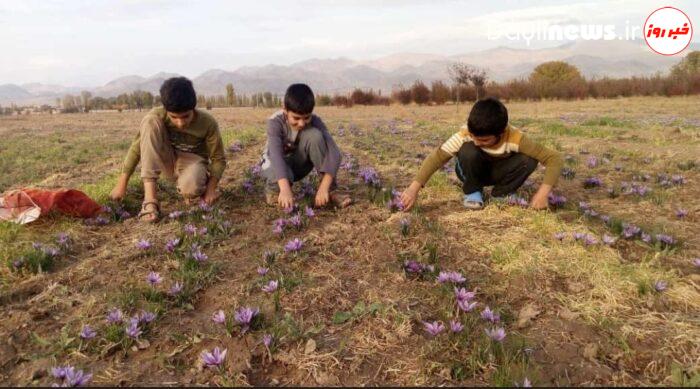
<point x="201" y="137"/>
<point x="512" y="141"/>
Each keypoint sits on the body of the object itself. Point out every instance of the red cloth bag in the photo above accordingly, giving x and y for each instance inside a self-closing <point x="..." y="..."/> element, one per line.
<point x="67" y="201"/>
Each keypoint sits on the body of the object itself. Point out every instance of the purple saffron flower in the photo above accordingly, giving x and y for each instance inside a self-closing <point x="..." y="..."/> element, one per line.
<point x="466" y="306"/>
<point x="456" y="326"/>
<point x="605" y="219"/>
<point x="560" y="235"/>
<point x="189" y="229"/>
<point x="18" y="263"/>
<point x="461" y="294"/>
<point x="608" y="240"/>
<point x="202" y="231"/>
<point x="115" y="316"/>
<point x="395" y="203"/>
<point x="578" y="235"/>
<point x="413" y="267"/>
<point x="132" y="330"/>
<point x="592" y="182"/>
<point x="295" y="221"/>
<point x="665" y="239"/>
<point x="496" y="334"/>
<point x="248" y="186"/>
<point x="556" y="200"/>
<point x="198" y="255"/>
<point x="630" y="230"/>
<point x="244" y="316"/>
<point x="175" y="214"/>
<point x="143" y="244"/>
<point x="87" y="332"/>
<point x="205" y="207"/>
<point x="589" y="240"/>
<point x="592" y="161"/>
<point x="73" y="378"/>
<point x="176" y="289"/>
<point x="62" y="239"/>
<point x="526" y="383"/>
<point x="677" y="179"/>
<point x="370" y="176"/>
<point x="660" y="286"/>
<point x="267" y="340"/>
<point x="516" y="200"/>
<point x="219" y="317"/>
<point x="434" y="328"/>
<point x="262" y="271"/>
<point x="696" y="262"/>
<point x="309" y="212"/>
<point x="60" y="371"/>
<point x="568" y="173"/>
<point x="489" y="315"/>
<point x="271" y="286"/>
<point x="451" y="276"/>
<point x="235" y="147"/>
<point x="293" y="245"/>
<point x="278" y="226"/>
<point x="146" y="317"/>
<point x="51" y="251"/>
<point x="172" y="244"/>
<point x="255" y="170"/>
<point x="154" y="278"/>
<point x="214" y="358"/>
<point x="646" y="238"/>
<point x="681" y="213"/>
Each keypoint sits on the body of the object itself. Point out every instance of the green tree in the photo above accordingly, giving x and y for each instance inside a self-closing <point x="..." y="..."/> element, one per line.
<point x="558" y="79"/>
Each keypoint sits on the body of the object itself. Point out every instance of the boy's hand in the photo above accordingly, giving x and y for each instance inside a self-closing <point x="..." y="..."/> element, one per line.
<point x="211" y="194"/>
<point x="322" y="197"/>
<point x="119" y="190"/>
<point x="409" y="196"/>
<point x="285" y="198"/>
<point x="323" y="191"/>
<point x="540" y="199"/>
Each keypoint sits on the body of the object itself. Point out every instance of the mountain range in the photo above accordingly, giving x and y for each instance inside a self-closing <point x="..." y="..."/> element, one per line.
<point x="339" y="75"/>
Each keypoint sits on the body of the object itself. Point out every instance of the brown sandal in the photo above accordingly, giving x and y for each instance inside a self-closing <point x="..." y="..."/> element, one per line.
<point x="145" y="212"/>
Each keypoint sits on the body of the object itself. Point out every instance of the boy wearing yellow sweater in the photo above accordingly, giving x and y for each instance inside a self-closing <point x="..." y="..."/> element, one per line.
<point x="489" y="152"/>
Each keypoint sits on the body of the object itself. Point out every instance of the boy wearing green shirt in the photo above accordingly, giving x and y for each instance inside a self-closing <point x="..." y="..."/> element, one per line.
<point x="490" y="151"/>
<point x="180" y="142"/>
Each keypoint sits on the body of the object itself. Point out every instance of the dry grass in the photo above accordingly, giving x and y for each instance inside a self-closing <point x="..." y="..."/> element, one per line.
<point x="598" y="319"/>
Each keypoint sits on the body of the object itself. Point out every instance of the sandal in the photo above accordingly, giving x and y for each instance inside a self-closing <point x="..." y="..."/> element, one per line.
<point x="145" y="212"/>
<point x="340" y="200"/>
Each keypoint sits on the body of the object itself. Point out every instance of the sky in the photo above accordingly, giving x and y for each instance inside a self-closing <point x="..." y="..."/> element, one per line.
<point x="89" y="43"/>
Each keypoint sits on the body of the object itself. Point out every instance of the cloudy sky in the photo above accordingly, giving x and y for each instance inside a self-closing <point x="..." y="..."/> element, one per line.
<point x="88" y="43"/>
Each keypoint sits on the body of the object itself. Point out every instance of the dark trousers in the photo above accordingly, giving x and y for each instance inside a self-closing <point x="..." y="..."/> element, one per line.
<point x="476" y="169"/>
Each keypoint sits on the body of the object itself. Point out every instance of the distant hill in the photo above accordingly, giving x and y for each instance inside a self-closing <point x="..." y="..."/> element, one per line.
<point x="338" y="75"/>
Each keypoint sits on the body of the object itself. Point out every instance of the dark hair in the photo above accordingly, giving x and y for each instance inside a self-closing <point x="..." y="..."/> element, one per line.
<point x="299" y="99"/>
<point x="488" y="117"/>
<point x="177" y="95"/>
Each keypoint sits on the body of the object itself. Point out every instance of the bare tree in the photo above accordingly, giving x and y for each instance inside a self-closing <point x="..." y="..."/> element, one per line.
<point x="463" y="74"/>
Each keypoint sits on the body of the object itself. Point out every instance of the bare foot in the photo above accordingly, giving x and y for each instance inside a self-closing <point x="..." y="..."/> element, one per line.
<point x="340" y="200"/>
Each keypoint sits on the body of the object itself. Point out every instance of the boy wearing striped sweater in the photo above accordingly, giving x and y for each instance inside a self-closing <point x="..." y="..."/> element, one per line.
<point x="489" y="152"/>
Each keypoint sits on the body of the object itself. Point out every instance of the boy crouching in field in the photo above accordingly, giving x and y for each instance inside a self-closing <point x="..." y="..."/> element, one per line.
<point x="180" y="142"/>
<point x="297" y="142"/>
<point x="489" y="151"/>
